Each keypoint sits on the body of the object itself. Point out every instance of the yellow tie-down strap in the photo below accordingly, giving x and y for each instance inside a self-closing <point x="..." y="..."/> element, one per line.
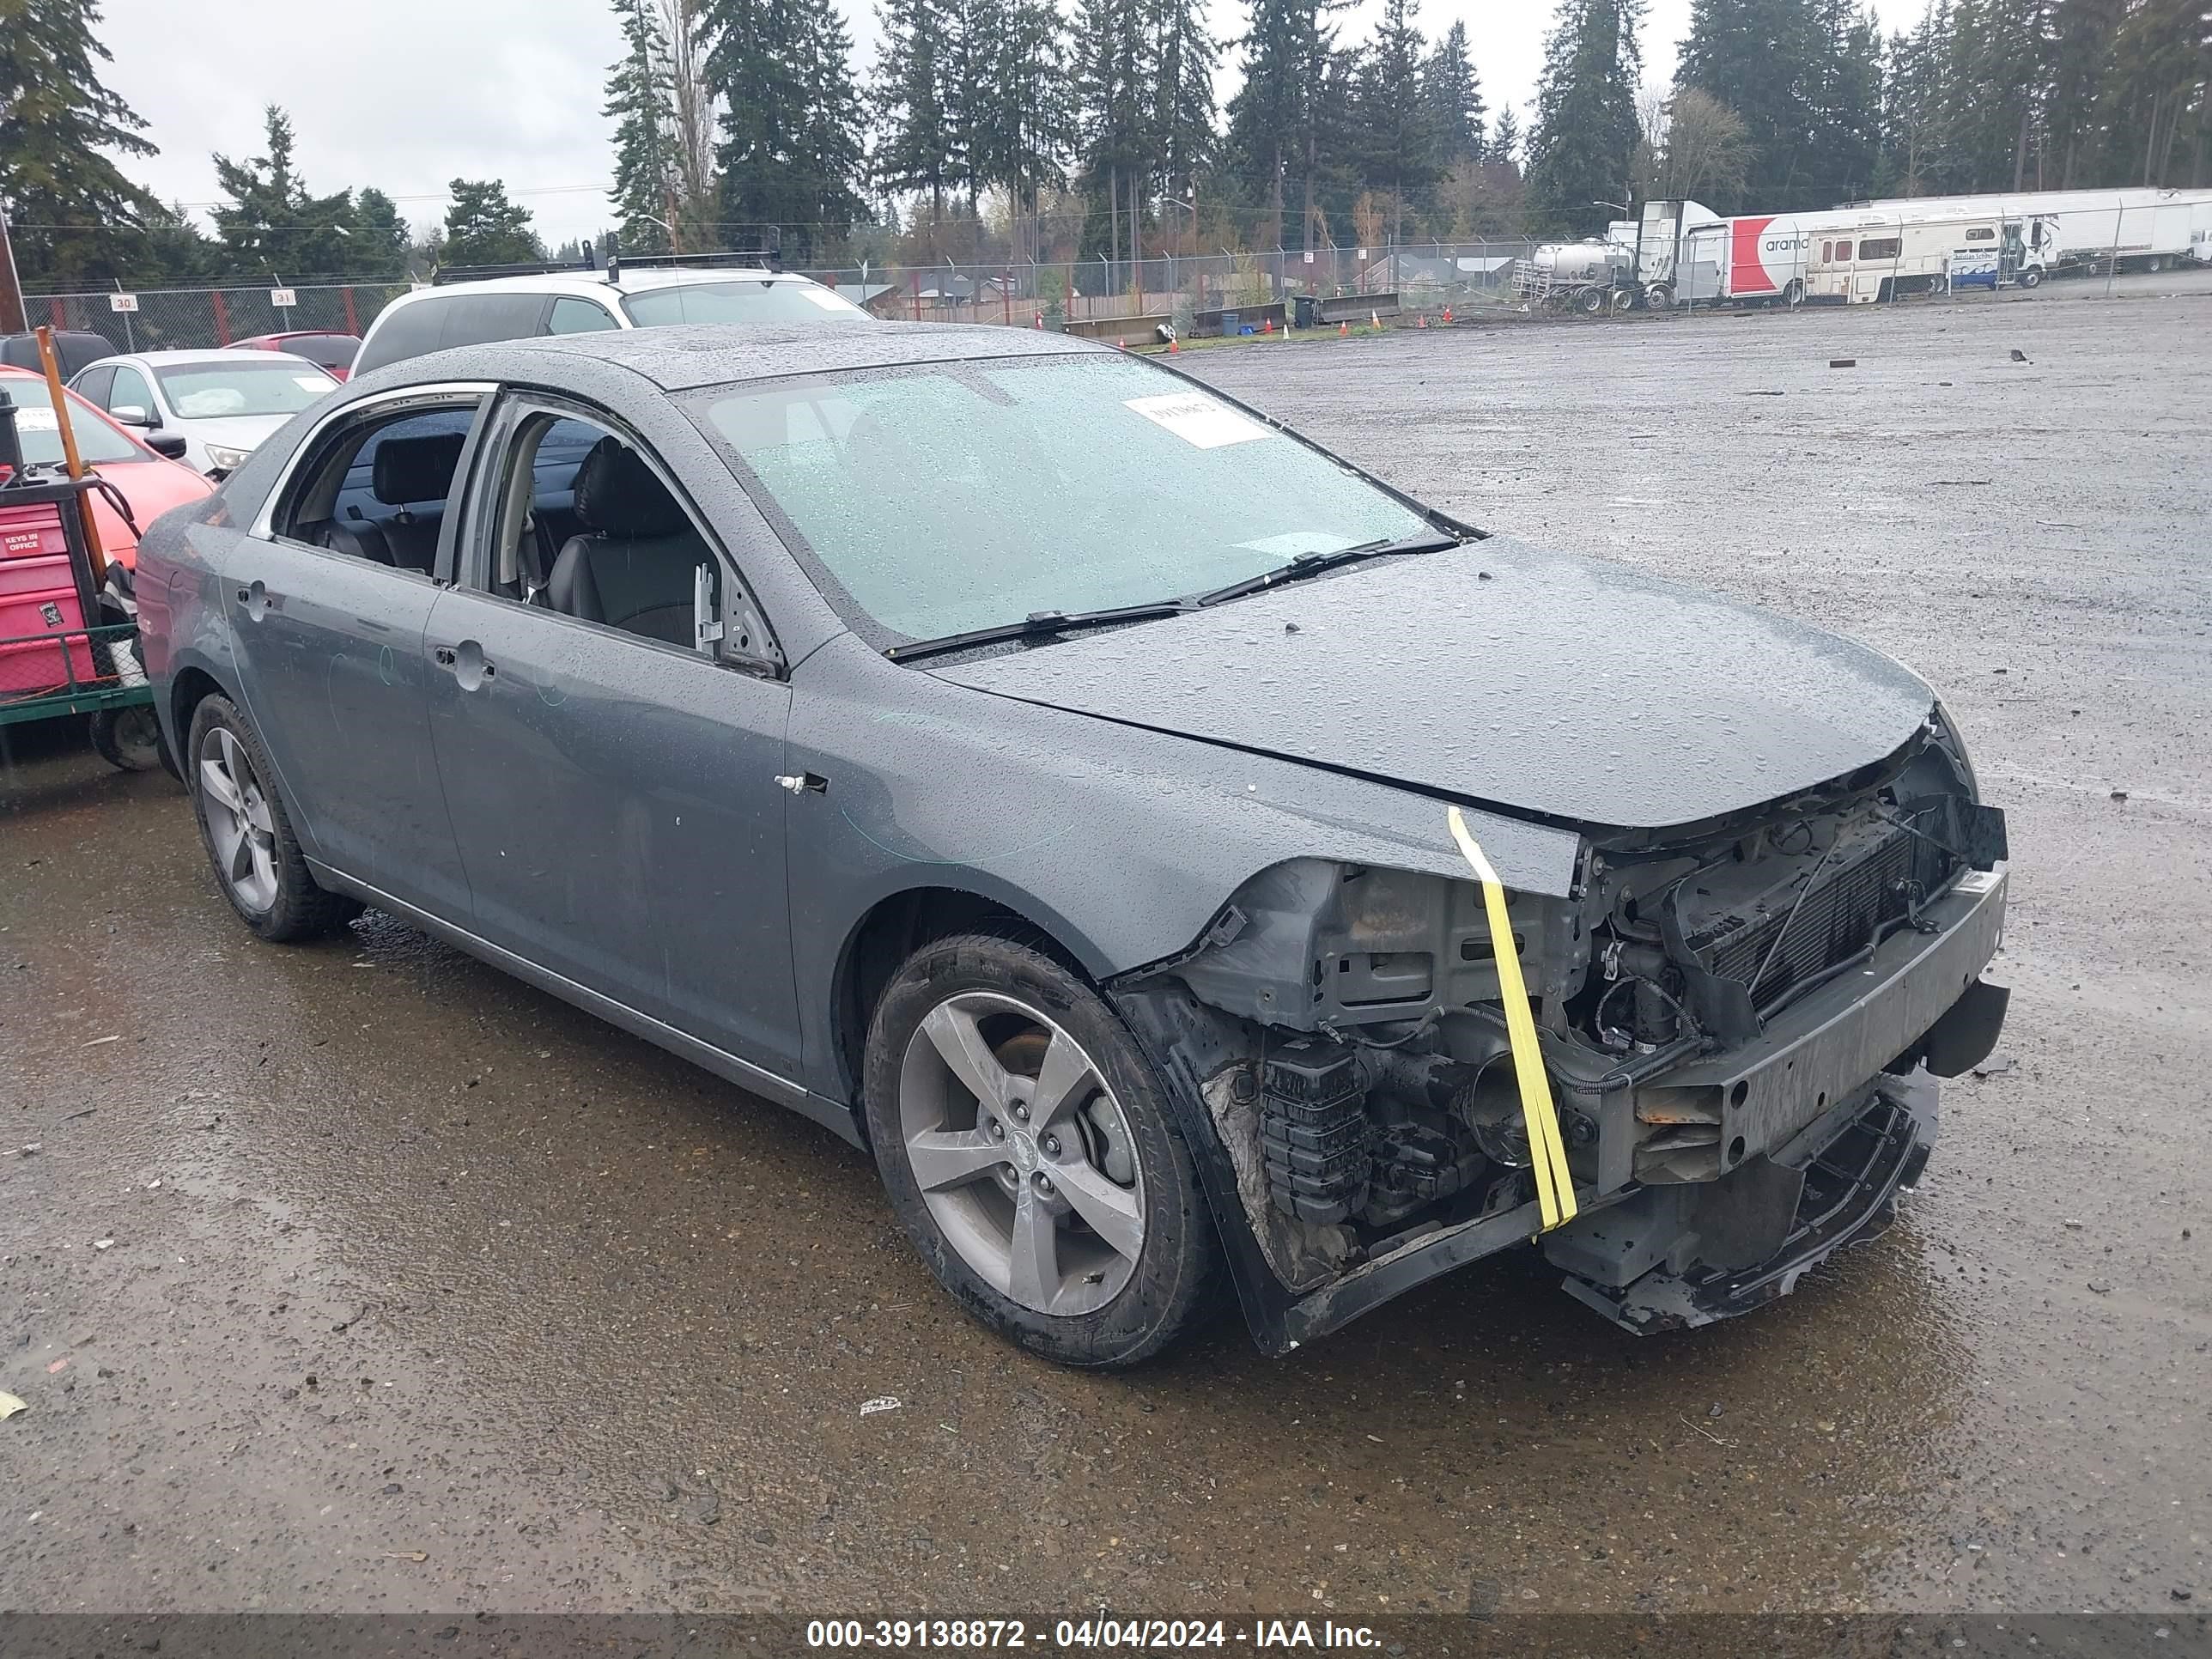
<point x="1548" y="1153"/>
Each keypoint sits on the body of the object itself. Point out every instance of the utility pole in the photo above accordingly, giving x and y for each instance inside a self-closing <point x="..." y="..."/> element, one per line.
<point x="13" y="317"/>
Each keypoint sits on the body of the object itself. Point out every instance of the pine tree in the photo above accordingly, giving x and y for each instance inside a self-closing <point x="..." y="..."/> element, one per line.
<point x="1504" y="147"/>
<point x="1846" y="103"/>
<point x="1024" y="126"/>
<point x="1392" y="116"/>
<point x="1585" y="144"/>
<point x="1276" y="115"/>
<point x="1184" y="138"/>
<point x="832" y="160"/>
<point x="272" y="227"/>
<point x="379" y="245"/>
<point x="173" y="252"/>
<point x="1763" y="59"/>
<point x="1453" y="97"/>
<point x="1113" y="89"/>
<point x="1916" y="113"/>
<point x="914" y="150"/>
<point x="640" y="101"/>
<point x="482" y="227"/>
<point x="59" y="128"/>
<point x="791" y="120"/>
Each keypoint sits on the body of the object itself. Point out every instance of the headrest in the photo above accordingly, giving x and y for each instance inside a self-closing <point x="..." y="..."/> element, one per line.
<point x="618" y="493"/>
<point x="415" y="469"/>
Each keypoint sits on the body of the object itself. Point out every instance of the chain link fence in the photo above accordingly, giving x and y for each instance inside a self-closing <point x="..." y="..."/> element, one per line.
<point x="1175" y="288"/>
<point x="1081" y="295"/>
<point x="192" y="317"/>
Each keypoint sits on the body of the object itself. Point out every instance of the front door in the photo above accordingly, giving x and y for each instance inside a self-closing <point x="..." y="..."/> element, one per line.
<point x="612" y="779"/>
<point x="329" y="637"/>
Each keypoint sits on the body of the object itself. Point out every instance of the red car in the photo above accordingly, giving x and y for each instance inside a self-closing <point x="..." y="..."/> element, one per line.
<point x="333" y="352"/>
<point x="152" y="484"/>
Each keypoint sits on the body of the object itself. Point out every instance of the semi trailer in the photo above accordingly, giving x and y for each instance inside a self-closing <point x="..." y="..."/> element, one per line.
<point x="1681" y="252"/>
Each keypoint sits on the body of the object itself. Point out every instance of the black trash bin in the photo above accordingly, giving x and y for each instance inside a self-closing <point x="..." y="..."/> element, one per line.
<point x="1306" y="308"/>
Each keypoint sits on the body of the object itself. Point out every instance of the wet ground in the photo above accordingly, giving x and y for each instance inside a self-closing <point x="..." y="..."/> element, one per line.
<point x="360" y="1277"/>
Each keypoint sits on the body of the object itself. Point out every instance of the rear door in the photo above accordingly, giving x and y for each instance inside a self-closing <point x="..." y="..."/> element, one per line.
<point x="612" y="782"/>
<point x="331" y="660"/>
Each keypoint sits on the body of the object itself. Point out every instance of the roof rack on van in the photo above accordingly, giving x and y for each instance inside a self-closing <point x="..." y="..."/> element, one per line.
<point x="445" y="273"/>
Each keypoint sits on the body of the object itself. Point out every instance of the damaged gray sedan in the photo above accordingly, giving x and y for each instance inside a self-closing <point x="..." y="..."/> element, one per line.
<point x="1076" y="789"/>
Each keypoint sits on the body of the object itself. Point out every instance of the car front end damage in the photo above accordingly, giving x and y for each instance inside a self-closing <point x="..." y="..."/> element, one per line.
<point x="1741" y="1022"/>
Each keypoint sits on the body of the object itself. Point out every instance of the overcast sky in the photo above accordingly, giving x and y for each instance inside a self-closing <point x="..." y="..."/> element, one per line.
<point x="406" y="95"/>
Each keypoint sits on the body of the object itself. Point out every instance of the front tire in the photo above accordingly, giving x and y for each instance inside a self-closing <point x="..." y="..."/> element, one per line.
<point x="129" y="738"/>
<point x="1031" y="1156"/>
<point x="257" y="858"/>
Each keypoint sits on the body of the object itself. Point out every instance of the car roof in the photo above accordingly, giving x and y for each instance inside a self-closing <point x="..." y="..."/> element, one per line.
<point x="208" y="355"/>
<point x="634" y="279"/>
<point x="684" y="356"/>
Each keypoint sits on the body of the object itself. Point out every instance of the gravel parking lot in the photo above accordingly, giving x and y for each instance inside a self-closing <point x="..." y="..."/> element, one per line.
<point x="426" y="1292"/>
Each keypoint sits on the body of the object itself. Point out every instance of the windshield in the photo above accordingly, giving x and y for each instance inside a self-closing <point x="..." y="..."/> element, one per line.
<point x="41" y="434"/>
<point x="960" y="496"/>
<point x="793" y="300"/>
<point x="203" y="392"/>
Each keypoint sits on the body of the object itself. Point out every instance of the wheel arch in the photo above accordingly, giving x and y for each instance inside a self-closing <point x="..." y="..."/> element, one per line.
<point x="900" y="923"/>
<point x="191" y="686"/>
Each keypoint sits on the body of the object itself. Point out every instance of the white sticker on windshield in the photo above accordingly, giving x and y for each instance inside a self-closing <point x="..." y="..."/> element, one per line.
<point x="824" y="298"/>
<point x="29" y="417"/>
<point x="1293" y="542"/>
<point x="1197" y="419"/>
<point x="312" y="382"/>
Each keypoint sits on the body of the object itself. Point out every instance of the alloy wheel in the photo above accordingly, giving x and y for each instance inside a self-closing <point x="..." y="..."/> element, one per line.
<point x="240" y="829"/>
<point x="1024" y="1157"/>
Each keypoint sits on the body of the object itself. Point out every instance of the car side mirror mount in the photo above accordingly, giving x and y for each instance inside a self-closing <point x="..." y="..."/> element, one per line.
<point x="741" y="642"/>
<point x="130" y="415"/>
<point x="168" y="446"/>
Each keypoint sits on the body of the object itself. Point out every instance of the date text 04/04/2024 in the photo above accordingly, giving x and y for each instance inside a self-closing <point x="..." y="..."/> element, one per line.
<point x="897" y="1634"/>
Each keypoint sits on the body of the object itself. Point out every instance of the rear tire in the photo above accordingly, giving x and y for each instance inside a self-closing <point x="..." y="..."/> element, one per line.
<point x="257" y="858"/>
<point x="1659" y="297"/>
<point x="1590" y="302"/>
<point x="1062" y="1205"/>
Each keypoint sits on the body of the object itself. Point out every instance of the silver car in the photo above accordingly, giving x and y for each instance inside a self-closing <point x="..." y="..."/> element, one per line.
<point x="222" y="402"/>
<point x="1177" y="856"/>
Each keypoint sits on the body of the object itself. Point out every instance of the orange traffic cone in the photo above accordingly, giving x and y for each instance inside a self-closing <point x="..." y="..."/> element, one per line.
<point x="1448" y="314"/>
<point x="1174" y="345"/>
<point x="1122" y="342"/>
<point x="1344" y="330"/>
<point x="1374" y="321"/>
<point x="1267" y="325"/>
<point x="1421" y="321"/>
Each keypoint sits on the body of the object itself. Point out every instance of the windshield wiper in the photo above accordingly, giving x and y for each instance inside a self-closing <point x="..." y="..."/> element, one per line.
<point x="1312" y="564"/>
<point x="1038" y="625"/>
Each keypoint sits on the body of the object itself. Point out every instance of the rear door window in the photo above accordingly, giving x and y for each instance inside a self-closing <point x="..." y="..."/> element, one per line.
<point x="578" y="317"/>
<point x="405" y="331"/>
<point x="471" y="319"/>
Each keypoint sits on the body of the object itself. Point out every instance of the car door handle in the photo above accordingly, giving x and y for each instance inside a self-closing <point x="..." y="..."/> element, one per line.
<point x="466" y="658"/>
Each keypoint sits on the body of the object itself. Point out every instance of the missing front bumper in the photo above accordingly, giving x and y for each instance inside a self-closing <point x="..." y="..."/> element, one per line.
<point x="1851" y="1171"/>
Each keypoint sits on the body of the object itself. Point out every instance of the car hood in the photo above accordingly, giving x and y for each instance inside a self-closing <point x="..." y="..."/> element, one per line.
<point x="1570" y="689"/>
<point x="232" y="431"/>
<point x="152" y="487"/>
